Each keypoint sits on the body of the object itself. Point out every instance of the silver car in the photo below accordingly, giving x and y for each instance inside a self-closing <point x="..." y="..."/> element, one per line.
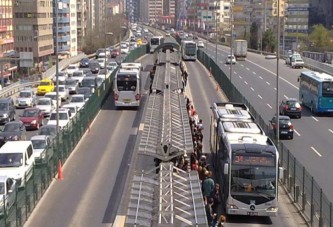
<point x="40" y="144"/>
<point x="45" y="105"/>
<point x="72" y="85"/>
<point x="7" y="194"/>
<point x="26" y="98"/>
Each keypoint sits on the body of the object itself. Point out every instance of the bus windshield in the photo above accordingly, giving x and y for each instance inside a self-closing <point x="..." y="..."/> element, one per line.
<point x="126" y="82"/>
<point x="327" y="89"/>
<point x="190" y="49"/>
<point x="250" y="179"/>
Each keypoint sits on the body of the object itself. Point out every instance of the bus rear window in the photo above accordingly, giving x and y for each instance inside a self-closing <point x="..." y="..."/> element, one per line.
<point x="126" y="82"/>
<point x="154" y="41"/>
<point x="327" y="89"/>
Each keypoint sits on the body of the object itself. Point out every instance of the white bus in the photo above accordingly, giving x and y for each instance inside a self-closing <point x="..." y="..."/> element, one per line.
<point x="127" y="85"/>
<point x="154" y="42"/>
<point x="245" y="160"/>
<point x="189" y="50"/>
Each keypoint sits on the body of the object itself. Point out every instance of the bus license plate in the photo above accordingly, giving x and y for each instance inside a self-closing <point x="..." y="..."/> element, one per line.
<point x="126" y="100"/>
<point x="252" y="213"/>
<point x="293" y="109"/>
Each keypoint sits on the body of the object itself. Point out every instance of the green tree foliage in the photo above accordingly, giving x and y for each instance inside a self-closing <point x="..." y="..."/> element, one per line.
<point x="254" y="39"/>
<point x="319" y="37"/>
<point x="268" y="41"/>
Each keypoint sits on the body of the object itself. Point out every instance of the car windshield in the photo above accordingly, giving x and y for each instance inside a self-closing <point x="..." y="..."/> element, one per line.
<point x="30" y="113"/>
<point x="44" y="83"/>
<point x="12" y="128"/>
<point x="2" y="188"/>
<point x="61" y="89"/>
<point x="38" y="144"/>
<point x="62" y="116"/>
<point x="43" y="102"/>
<point x="88" y="82"/>
<point x="77" y="99"/>
<point x="293" y="103"/>
<point x="11" y="159"/>
<point x="284" y="121"/>
<point x="71" y="67"/>
<point x="77" y="74"/>
<point x="53" y="97"/>
<point x="70" y="82"/>
<point x="3" y="106"/>
<point x="48" y="131"/>
<point x="25" y="94"/>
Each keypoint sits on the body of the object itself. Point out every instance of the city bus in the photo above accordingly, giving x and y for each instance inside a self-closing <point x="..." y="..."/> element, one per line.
<point x="316" y="91"/>
<point x="154" y="42"/>
<point x="127" y="85"/>
<point x="189" y="50"/>
<point x="245" y="161"/>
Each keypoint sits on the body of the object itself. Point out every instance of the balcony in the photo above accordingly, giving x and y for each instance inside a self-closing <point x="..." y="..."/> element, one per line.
<point x="64" y="38"/>
<point x="64" y="48"/>
<point x="64" y="29"/>
<point x="64" y="10"/>
<point x="63" y="19"/>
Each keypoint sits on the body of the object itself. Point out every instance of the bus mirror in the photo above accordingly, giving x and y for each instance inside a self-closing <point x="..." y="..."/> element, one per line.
<point x="226" y="169"/>
<point x="281" y="170"/>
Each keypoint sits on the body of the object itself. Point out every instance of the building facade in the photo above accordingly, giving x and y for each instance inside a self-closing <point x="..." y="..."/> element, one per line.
<point x="67" y="28"/>
<point x="82" y="11"/>
<point x="144" y="14"/>
<point x="321" y="12"/>
<point x="6" y="26"/>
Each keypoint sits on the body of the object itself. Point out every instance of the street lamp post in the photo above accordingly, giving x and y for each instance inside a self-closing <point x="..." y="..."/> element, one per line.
<point x="231" y="37"/>
<point x="277" y="75"/>
<point x="57" y="66"/>
<point x="216" y="37"/>
<point x="107" y="33"/>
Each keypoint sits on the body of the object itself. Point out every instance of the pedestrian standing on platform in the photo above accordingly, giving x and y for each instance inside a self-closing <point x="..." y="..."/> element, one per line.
<point x="208" y="184"/>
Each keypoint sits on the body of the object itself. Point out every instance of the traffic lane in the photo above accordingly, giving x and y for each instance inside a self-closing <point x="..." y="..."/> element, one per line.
<point x="203" y="93"/>
<point x="83" y="197"/>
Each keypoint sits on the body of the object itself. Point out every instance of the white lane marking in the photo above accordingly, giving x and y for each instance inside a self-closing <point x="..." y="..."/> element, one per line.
<point x="275" y="88"/>
<point x="240" y="77"/>
<point x="245" y="82"/>
<point x="315" y="118"/>
<point x="273" y="74"/>
<point x="242" y="65"/>
<point x="254" y="73"/>
<point x="331" y="131"/>
<point x="285" y="96"/>
<point x="248" y="69"/>
<point x="252" y="88"/>
<point x="297" y="132"/>
<point x="316" y="151"/>
<point x="259" y="96"/>
<point x="268" y="83"/>
<point x="235" y="72"/>
<point x="261" y="77"/>
<point x="269" y="106"/>
<point x="142" y="125"/>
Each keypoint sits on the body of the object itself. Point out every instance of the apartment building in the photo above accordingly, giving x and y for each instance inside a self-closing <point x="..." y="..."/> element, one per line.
<point x="144" y="15"/>
<point x="81" y="22"/>
<point x="321" y="12"/>
<point x="155" y="10"/>
<point x="67" y="28"/>
<point x="6" y="26"/>
<point x="133" y="10"/>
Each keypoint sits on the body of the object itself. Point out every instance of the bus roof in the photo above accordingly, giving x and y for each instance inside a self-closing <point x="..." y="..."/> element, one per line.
<point x="240" y="138"/>
<point x="157" y="37"/>
<point x="320" y="77"/>
<point x="241" y="127"/>
<point x="228" y="110"/>
<point x="130" y="65"/>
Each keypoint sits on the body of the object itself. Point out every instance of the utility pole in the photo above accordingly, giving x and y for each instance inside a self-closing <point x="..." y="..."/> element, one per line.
<point x="231" y="37"/>
<point x="277" y="77"/>
<point x="57" y="67"/>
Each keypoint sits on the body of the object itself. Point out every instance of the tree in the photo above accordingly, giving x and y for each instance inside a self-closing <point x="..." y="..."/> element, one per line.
<point x="254" y="36"/>
<point x="268" y="41"/>
<point x="319" y="37"/>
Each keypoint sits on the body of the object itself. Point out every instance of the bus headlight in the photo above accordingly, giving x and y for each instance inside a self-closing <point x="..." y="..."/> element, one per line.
<point x="232" y="206"/>
<point x="272" y="209"/>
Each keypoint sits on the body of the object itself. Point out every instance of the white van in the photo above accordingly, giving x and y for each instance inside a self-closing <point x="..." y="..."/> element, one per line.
<point x="17" y="160"/>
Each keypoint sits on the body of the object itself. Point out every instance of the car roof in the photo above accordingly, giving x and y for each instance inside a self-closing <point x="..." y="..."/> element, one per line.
<point x="283" y="117"/>
<point x="89" y="77"/>
<point x="51" y="93"/>
<point x="78" y="95"/>
<point x="46" y="80"/>
<point x="292" y="99"/>
<point x="39" y="137"/>
<point x="69" y="105"/>
<point x="19" y="146"/>
<point x="45" y="98"/>
<point x="26" y="90"/>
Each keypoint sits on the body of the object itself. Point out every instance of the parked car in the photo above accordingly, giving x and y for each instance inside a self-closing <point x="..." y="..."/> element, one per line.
<point x="14" y="130"/>
<point x="45" y="105"/>
<point x="26" y="98"/>
<point x="48" y="130"/>
<point x="54" y="98"/>
<point x="291" y="107"/>
<point x="45" y="86"/>
<point x="7" y="110"/>
<point x="286" y="128"/>
<point x="64" y="117"/>
<point x="17" y="161"/>
<point x="230" y="59"/>
<point x="7" y="194"/>
<point x="63" y="92"/>
<point x="84" y="63"/>
<point x="86" y="91"/>
<point x="71" y="85"/>
<point x="78" y="100"/>
<point x="32" y="118"/>
<point x="115" y="53"/>
<point x="40" y="144"/>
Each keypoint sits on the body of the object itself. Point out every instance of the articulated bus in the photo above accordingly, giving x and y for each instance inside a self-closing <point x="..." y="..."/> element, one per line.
<point x="245" y="161"/>
<point x="316" y="91"/>
<point x="189" y="50"/>
<point x="154" y="42"/>
<point x="127" y="85"/>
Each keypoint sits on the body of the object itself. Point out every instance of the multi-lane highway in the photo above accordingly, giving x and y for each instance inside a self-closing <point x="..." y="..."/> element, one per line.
<point x="256" y="80"/>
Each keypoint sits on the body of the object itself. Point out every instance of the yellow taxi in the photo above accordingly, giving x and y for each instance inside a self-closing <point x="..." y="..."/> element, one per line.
<point x="45" y="86"/>
<point x="139" y="42"/>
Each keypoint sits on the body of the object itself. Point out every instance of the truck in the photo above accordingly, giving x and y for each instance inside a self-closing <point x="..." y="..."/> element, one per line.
<point x="240" y="49"/>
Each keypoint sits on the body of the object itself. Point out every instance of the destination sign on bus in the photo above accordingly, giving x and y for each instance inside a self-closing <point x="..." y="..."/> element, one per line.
<point x="253" y="160"/>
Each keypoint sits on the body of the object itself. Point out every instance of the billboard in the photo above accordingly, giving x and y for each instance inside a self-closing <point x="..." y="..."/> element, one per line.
<point x="26" y="59"/>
